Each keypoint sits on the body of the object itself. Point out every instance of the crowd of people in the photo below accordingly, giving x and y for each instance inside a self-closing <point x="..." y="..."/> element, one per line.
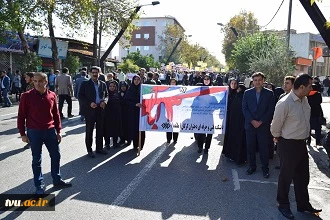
<point x="260" y="118"/>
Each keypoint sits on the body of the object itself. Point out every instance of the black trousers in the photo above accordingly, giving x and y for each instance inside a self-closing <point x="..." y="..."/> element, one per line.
<point x="204" y="137"/>
<point x="258" y="137"/>
<point x="90" y="124"/>
<point x="294" y="167"/>
<point x="169" y="136"/>
<point x="136" y="140"/>
<point x="107" y="140"/>
<point x="68" y="100"/>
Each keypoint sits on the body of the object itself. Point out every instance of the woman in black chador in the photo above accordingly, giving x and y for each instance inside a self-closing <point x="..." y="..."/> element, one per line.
<point x="123" y="86"/>
<point x="233" y="85"/>
<point x="132" y="101"/>
<point x="236" y="144"/>
<point x="113" y="116"/>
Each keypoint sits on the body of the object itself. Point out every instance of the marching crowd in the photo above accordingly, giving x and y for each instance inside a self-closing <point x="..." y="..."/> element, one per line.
<point x="260" y="118"/>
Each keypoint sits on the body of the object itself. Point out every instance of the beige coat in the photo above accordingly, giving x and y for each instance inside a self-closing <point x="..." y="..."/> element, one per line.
<point x="63" y="85"/>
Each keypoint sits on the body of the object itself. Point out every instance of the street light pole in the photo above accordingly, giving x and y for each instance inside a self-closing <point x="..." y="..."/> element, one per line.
<point x="122" y="31"/>
<point x="174" y="48"/>
<point x="289" y="26"/>
<point x="233" y="29"/>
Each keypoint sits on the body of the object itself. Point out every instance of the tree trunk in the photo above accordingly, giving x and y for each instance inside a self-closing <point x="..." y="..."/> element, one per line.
<point x="56" y="61"/>
<point x="25" y="45"/>
<point x="95" y="34"/>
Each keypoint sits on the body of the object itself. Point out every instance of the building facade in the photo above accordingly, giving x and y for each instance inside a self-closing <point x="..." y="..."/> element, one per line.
<point x="147" y="37"/>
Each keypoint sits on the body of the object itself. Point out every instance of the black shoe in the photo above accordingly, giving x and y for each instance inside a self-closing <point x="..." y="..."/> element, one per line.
<point x="266" y="174"/>
<point x="250" y="171"/>
<point x="286" y="212"/>
<point x="168" y="141"/>
<point x="309" y="209"/>
<point x="206" y="151"/>
<point x="121" y="142"/>
<point x="70" y="116"/>
<point x="107" y="146"/>
<point x="200" y="150"/>
<point x="91" y="154"/>
<point x="277" y="167"/>
<point x="62" y="117"/>
<point x="101" y="152"/>
<point x="62" y="184"/>
<point x="27" y="146"/>
<point x="40" y="191"/>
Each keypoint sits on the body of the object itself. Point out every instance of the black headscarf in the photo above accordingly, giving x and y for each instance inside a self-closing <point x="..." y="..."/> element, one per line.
<point x="113" y="94"/>
<point x="133" y="92"/>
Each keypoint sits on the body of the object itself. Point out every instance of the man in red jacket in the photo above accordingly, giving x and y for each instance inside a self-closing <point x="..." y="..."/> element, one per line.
<point x="39" y="115"/>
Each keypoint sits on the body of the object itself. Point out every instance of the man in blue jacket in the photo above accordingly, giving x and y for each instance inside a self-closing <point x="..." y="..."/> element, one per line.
<point x="5" y="88"/>
<point x="258" y="108"/>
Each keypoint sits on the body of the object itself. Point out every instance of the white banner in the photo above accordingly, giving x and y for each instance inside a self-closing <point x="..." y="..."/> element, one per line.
<point x="191" y="109"/>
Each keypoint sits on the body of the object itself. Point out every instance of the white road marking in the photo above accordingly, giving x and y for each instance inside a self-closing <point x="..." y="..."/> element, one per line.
<point x="235" y="180"/>
<point x="120" y="200"/>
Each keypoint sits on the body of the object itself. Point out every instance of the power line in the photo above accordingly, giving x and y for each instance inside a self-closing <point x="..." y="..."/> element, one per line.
<point x="274" y="15"/>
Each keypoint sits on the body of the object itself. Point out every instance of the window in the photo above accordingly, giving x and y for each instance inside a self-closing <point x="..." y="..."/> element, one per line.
<point x="146" y="36"/>
<point x="146" y="48"/>
<point x="137" y="35"/>
<point x="138" y="48"/>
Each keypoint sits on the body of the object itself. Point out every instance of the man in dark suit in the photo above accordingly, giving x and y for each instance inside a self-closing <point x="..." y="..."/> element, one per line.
<point x="258" y="108"/>
<point x="92" y="97"/>
<point x="5" y="88"/>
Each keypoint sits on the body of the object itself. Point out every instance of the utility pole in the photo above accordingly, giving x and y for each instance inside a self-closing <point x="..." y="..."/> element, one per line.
<point x="289" y="26"/>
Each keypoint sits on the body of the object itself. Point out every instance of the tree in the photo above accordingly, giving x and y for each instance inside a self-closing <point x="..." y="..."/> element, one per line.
<point x="30" y="62"/>
<point x="252" y="53"/>
<point x="142" y="61"/>
<point x="73" y="63"/>
<point x="128" y="66"/>
<point x="244" y="23"/>
<point x="17" y="15"/>
<point x="108" y="17"/>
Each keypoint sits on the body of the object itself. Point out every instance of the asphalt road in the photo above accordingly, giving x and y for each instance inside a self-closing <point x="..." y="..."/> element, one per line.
<point x="164" y="182"/>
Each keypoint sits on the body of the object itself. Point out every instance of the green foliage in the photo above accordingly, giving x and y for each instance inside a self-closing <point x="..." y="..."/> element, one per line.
<point x="128" y="66"/>
<point x="30" y="62"/>
<point x="142" y="61"/>
<point x="245" y="23"/>
<point x="73" y="63"/>
<point x="263" y="52"/>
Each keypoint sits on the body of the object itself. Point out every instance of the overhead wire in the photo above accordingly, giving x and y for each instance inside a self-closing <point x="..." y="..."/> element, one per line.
<point x="274" y="15"/>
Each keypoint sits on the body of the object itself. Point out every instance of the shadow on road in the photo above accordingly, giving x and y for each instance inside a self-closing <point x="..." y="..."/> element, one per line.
<point x="185" y="187"/>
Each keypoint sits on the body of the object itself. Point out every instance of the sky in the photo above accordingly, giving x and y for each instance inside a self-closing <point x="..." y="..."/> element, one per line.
<point x="200" y="18"/>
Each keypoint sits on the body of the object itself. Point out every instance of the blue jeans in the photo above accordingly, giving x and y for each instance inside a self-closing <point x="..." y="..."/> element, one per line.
<point x="5" y="97"/>
<point x="49" y="138"/>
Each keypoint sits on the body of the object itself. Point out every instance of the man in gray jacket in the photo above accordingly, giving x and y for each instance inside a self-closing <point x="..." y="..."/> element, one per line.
<point x="64" y="89"/>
